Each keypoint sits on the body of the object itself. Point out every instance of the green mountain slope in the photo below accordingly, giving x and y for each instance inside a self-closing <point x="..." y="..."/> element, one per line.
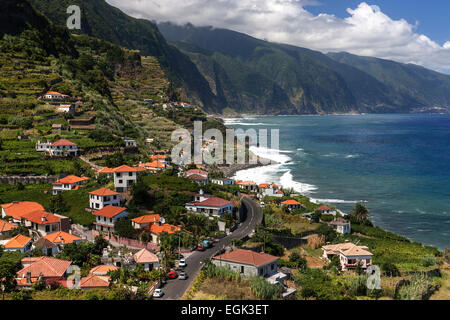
<point x="100" y="20"/>
<point x="312" y="81"/>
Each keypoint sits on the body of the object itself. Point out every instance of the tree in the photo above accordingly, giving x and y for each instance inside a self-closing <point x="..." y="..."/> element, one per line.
<point x="390" y="269"/>
<point x="360" y="213"/>
<point x="124" y="228"/>
<point x="197" y="224"/>
<point x="315" y="217"/>
<point x="58" y="204"/>
<point x="10" y="263"/>
<point x="327" y="231"/>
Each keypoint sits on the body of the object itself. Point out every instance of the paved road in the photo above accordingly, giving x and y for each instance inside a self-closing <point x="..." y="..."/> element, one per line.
<point x="174" y="289"/>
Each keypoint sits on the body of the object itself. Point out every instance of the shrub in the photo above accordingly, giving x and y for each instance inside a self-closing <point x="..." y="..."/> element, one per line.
<point x="390" y="269"/>
<point x="428" y="261"/>
<point x="417" y="289"/>
<point x="265" y="290"/>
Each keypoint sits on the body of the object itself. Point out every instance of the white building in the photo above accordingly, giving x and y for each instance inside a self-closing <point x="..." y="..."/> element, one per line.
<point x="53" y="95"/>
<point x="341" y="226"/>
<point x="103" y="197"/>
<point x="125" y="176"/>
<point x="60" y="148"/>
<point x="350" y="255"/>
<point x="43" y="146"/>
<point x="68" y="183"/>
<point x="66" y="108"/>
<point x="130" y="143"/>
<point x="106" y="218"/>
<point x="146" y="258"/>
<point x="223" y="181"/>
<point x="209" y="205"/>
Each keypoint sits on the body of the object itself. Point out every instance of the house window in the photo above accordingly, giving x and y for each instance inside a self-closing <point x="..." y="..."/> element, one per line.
<point x="272" y="266"/>
<point x="130" y="174"/>
<point x="242" y="269"/>
<point x="47" y="228"/>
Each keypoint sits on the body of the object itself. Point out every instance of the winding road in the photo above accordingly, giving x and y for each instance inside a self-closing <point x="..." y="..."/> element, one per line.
<point x="174" y="289"/>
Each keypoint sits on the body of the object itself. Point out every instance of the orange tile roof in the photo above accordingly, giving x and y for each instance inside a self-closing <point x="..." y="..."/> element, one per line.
<point x="102" y="192"/>
<point x="46" y="267"/>
<point x="247" y="257"/>
<point x="62" y="237"/>
<point x="63" y="142"/>
<point x="145" y="256"/>
<point x="105" y="170"/>
<point x="291" y="202"/>
<point x="17" y="209"/>
<point x="263" y="185"/>
<point x="95" y="282"/>
<point x="71" y="179"/>
<point x="17" y="242"/>
<point x="245" y="183"/>
<point x="156" y="229"/>
<point x="102" y="270"/>
<point x="158" y="156"/>
<point x="323" y="208"/>
<point x="212" y="202"/>
<point x="109" y="211"/>
<point x="125" y="168"/>
<point x="41" y="217"/>
<point x="6" y="226"/>
<point x="150" y="218"/>
<point x="196" y="171"/>
<point x="54" y="92"/>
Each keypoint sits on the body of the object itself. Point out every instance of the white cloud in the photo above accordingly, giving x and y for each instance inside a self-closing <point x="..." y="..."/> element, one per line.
<point x="366" y="30"/>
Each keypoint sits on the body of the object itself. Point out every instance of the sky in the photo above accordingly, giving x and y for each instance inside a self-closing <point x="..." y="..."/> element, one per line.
<point x="408" y="31"/>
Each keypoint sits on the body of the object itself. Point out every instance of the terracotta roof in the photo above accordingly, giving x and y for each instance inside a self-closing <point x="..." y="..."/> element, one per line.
<point x="71" y="179"/>
<point x="109" y="211"/>
<point x="291" y="202"/>
<point x="45" y="266"/>
<point x="156" y="229"/>
<point x="53" y="92"/>
<point x="102" y="270"/>
<point x="63" y="142"/>
<point x="212" y="202"/>
<point x="66" y="238"/>
<point x="246" y="183"/>
<point x="263" y="185"/>
<point x="150" y="218"/>
<point x="196" y="177"/>
<point x="105" y="170"/>
<point x="196" y="171"/>
<point x="44" y="243"/>
<point x="95" y="282"/>
<point x="17" y="209"/>
<point x="102" y="192"/>
<point x="247" y="257"/>
<point x="41" y="217"/>
<point x="125" y="168"/>
<point x="323" y="208"/>
<point x="17" y="242"/>
<point x="348" y="249"/>
<point x="158" y="156"/>
<point x="145" y="256"/>
<point x="6" y="226"/>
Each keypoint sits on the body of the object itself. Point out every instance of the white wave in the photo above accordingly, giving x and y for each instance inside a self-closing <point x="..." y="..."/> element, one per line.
<point x="287" y="182"/>
<point x="352" y="156"/>
<point x="337" y="201"/>
<point x="271" y="154"/>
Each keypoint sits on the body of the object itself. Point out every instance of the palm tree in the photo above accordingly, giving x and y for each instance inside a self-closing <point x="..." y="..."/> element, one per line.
<point x="197" y="224"/>
<point x="360" y="213"/>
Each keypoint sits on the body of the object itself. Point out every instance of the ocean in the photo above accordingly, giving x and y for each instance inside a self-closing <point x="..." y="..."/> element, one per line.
<point x="399" y="165"/>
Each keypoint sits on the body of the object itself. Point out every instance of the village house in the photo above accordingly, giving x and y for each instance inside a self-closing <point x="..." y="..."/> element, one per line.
<point x="146" y="258"/>
<point x="125" y="176"/>
<point x="42" y="222"/>
<point x="62" y="238"/>
<point x="56" y="129"/>
<point x="66" y="108"/>
<point x="250" y="263"/>
<point x="6" y="227"/>
<point x="17" y="209"/>
<point x="154" y="166"/>
<point x="106" y="218"/>
<point x="247" y="185"/>
<point x="209" y="205"/>
<point x="350" y="255"/>
<point x="341" y="225"/>
<point x="324" y="209"/>
<point x="92" y="282"/>
<point x="68" y="183"/>
<point x="48" y="248"/>
<point x="223" y="181"/>
<point x="129" y="143"/>
<point x="18" y="243"/>
<point x="106" y="171"/>
<point x="156" y="230"/>
<point x="60" y="148"/>
<point x="44" y="268"/>
<point x="54" y="95"/>
<point x="271" y="191"/>
<point x="149" y="101"/>
<point x="197" y="175"/>
<point x="144" y="221"/>
<point x="292" y="204"/>
<point x="103" y="197"/>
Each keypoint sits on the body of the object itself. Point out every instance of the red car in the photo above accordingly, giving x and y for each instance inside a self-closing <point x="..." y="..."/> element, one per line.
<point x="172" y="275"/>
<point x="200" y="248"/>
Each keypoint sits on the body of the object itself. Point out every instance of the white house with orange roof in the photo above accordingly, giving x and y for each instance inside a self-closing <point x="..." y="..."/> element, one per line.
<point x="54" y="95"/>
<point x="144" y="221"/>
<point x="324" y="209"/>
<point x="103" y="197"/>
<point x="270" y="191"/>
<point x="125" y="176"/>
<point x="42" y="222"/>
<point x="63" y="148"/>
<point x="6" y="227"/>
<point x="17" y="209"/>
<point x="68" y="183"/>
<point x="146" y="258"/>
<point x="197" y="175"/>
<point x="247" y="185"/>
<point x="209" y="205"/>
<point x="350" y="255"/>
<point x="223" y="181"/>
<point x="106" y="218"/>
<point x="62" y="238"/>
<point x="105" y="171"/>
<point x="154" y="166"/>
<point x="292" y="204"/>
<point x="18" y="243"/>
<point x="156" y="230"/>
<point x="66" y="108"/>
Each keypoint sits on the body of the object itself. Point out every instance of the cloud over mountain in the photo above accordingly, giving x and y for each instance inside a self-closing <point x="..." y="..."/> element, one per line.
<point x="366" y="30"/>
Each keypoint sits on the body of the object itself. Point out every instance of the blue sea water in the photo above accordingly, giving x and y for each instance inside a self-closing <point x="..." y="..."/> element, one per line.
<point x="399" y="164"/>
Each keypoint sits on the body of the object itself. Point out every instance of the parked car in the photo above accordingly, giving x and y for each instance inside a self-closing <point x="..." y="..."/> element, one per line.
<point x="262" y="204"/>
<point x="200" y="247"/>
<point x="182" y="263"/>
<point x="172" y="275"/>
<point x="182" y="275"/>
<point x="158" y="293"/>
